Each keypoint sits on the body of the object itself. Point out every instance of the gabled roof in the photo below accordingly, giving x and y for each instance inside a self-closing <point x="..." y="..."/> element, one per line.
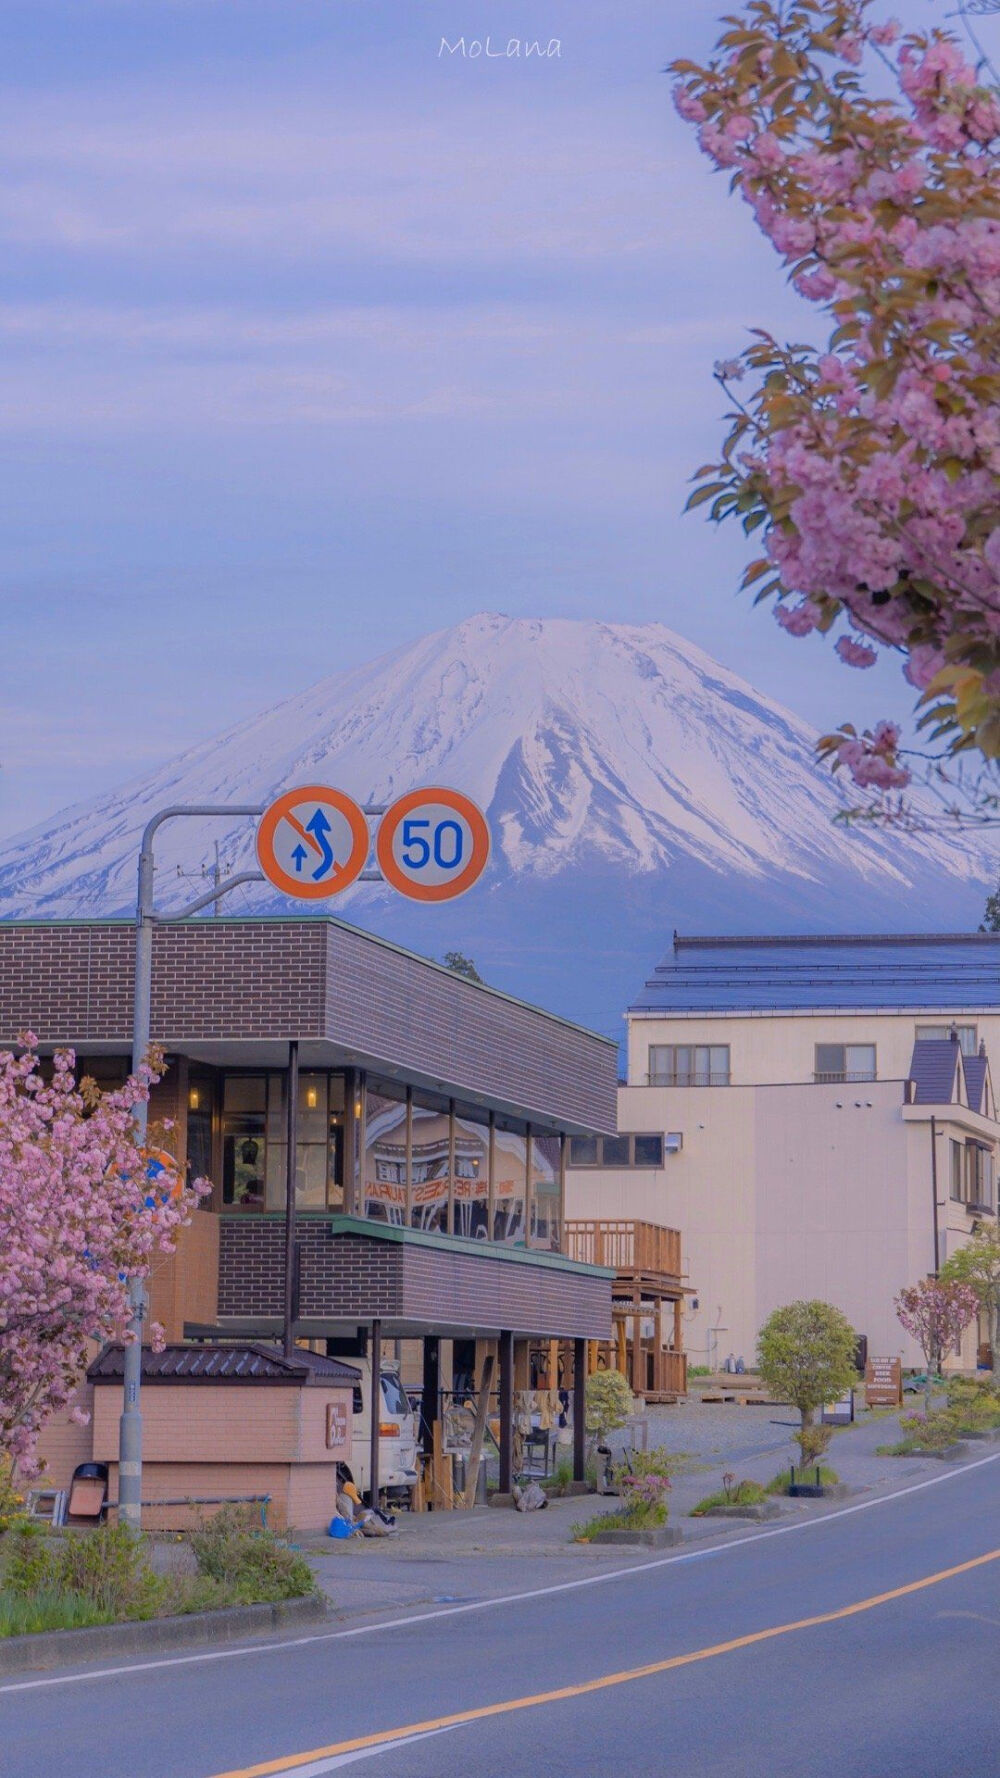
<point x="946" y="972"/>
<point x="936" y="1071"/>
<point x="978" y="1084"/>
<point x="237" y="1363"/>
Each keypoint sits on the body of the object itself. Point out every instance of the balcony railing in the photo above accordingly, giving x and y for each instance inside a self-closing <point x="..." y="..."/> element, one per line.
<point x="842" y="1076"/>
<point x="627" y="1246"/>
<point x="672" y="1078"/>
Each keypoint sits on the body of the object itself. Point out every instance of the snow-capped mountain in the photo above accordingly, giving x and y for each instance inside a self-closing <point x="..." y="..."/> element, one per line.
<point x="632" y="785"/>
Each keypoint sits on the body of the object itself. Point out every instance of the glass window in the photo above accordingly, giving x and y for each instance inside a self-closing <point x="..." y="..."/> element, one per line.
<point x="583" y="1151"/>
<point x="845" y="1061"/>
<point x="472" y="1176"/>
<point x="508" y="1188"/>
<point x="430" y="1182"/>
<point x="199" y="1128"/>
<point x="255" y="1146"/>
<point x="615" y="1151"/>
<point x="956" y="1170"/>
<point x="689" y="1065"/>
<point x="967" y="1036"/>
<point x="546" y="1193"/>
<point x="649" y="1151"/>
<point x="384" y="1172"/>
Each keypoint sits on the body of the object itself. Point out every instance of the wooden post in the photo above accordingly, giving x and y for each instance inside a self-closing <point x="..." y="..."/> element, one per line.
<point x="579" y="1410"/>
<point x="376" y="1405"/>
<point x="553" y="1364"/>
<point x="291" y="1138"/>
<point x="506" y="1412"/>
<point x="678" y="1326"/>
<point x="479" y="1431"/>
<point x="658" y="1343"/>
<point x="621" y="1341"/>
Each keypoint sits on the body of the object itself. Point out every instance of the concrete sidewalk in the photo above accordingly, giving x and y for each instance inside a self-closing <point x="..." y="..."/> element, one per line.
<point x="445" y="1558"/>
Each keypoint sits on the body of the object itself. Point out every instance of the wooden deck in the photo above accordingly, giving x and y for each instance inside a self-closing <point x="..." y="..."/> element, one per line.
<point x="647" y="1262"/>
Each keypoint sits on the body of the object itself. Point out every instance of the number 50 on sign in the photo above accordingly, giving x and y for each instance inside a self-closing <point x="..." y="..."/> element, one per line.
<point x="432" y="844"/>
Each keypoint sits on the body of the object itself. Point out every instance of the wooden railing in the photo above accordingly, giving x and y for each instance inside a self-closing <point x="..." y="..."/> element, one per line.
<point x="627" y="1246"/>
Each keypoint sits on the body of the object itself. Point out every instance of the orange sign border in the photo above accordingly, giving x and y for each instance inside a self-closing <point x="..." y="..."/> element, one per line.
<point x="345" y="875"/>
<point x="397" y="811"/>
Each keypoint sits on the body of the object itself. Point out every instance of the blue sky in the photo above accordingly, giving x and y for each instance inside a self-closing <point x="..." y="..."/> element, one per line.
<point x="313" y="339"/>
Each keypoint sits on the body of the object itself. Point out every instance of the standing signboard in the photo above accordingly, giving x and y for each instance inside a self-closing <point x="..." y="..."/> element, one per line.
<point x="884" y="1383"/>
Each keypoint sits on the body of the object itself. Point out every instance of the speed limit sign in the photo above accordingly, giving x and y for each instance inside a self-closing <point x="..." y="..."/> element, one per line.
<point x="433" y="844"/>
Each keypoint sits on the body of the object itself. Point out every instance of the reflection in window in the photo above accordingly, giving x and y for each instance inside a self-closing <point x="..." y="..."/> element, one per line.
<point x="545" y="1192"/>
<point x="430" y="1181"/>
<point x="472" y="1177"/>
<point x="508" y="1188"/>
<point x="384" y="1171"/>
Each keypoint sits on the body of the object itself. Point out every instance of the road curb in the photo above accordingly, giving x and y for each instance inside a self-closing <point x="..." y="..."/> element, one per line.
<point x="64" y="1648"/>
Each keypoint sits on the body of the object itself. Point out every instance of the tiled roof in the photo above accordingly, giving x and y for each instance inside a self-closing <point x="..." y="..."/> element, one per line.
<point x="976" y="1072"/>
<point x="223" y="1364"/>
<point x="945" y="972"/>
<point x="933" y="1068"/>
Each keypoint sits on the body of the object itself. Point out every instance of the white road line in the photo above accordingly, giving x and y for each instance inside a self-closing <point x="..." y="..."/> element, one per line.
<point x="320" y="1767"/>
<point x="423" y="1617"/>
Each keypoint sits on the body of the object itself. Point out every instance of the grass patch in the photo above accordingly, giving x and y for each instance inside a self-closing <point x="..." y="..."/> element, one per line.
<point x="744" y="1494"/>
<point x="104" y="1576"/>
<point x="48" y="1609"/>
<point x="781" y="1483"/>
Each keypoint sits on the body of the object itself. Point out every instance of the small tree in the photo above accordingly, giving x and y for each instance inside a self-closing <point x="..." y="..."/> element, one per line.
<point x="461" y="965"/>
<point x="935" y="1313"/>
<point x="79" y="1216"/>
<point x="977" y="1265"/>
<point x="991" y="912"/>
<point x="609" y="1404"/>
<point x="805" y="1355"/>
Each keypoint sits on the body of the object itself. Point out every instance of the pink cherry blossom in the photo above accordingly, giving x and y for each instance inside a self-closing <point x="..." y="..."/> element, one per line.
<point x="871" y="463"/>
<point x="78" y="1218"/>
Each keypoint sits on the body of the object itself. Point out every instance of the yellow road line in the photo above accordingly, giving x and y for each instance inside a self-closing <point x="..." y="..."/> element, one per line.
<point x="384" y="1737"/>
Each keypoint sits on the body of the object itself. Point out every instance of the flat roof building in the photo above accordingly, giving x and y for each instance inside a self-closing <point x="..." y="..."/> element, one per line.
<point x="431" y="1117"/>
<point x="816" y="1116"/>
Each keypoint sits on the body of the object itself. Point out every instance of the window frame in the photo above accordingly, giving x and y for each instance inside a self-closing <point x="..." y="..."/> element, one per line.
<point x="631" y="1165"/>
<point x="843" y="1076"/>
<point x="671" y="1075"/>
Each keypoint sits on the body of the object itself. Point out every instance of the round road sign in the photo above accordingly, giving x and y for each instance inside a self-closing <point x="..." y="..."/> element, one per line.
<point x="433" y="844"/>
<point x="312" y="842"/>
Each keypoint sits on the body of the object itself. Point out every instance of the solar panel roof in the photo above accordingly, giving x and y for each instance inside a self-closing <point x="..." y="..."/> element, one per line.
<point x="946" y="972"/>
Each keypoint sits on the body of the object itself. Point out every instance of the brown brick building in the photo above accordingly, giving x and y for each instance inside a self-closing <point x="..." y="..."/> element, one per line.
<point x="429" y="1125"/>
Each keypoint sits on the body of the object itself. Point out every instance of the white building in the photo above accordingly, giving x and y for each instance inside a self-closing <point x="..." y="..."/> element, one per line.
<point x="815" y="1115"/>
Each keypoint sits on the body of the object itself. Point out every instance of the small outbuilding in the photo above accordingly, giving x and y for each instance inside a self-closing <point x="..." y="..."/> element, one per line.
<point x="230" y="1421"/>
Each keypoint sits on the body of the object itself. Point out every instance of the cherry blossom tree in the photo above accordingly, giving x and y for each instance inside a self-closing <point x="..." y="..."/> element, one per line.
<point x="935" y="1313"/>
<point x="80" y="1213"/>
<point x="871" y="462"/>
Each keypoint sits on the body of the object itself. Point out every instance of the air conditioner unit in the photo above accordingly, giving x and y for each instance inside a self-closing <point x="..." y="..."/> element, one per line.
<point x="673" y="1142"/>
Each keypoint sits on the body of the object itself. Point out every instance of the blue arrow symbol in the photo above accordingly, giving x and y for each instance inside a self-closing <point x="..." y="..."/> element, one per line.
<point x="319" y="827"/>
<point x="299" y="858"/>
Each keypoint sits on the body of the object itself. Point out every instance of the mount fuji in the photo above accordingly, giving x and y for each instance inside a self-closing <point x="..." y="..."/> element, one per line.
<point x="632" y="785"/>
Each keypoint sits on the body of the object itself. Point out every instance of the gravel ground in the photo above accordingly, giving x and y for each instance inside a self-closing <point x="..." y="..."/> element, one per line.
<point x="438" y="1558"/>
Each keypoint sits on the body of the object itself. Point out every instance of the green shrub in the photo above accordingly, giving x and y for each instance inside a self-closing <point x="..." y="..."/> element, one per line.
<point x="609" y="1403"/>
<point x="975" y="1404"/>
<point x="249" y="1562"/>
<point x="28" y="1564"/>
<point x="109" y="1567"/>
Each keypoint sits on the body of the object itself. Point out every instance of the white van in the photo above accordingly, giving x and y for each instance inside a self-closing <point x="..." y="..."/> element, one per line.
<point x="397" y="1456"/>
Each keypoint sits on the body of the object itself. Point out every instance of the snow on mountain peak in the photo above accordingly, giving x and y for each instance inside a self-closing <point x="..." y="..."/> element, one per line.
<point x="613" y="746"/>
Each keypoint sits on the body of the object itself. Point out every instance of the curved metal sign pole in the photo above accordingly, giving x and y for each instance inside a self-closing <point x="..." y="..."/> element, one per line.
<point x="130" y="1425"/>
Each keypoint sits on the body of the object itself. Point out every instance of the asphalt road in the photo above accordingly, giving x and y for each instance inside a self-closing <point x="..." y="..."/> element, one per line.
<point x="896" y="1687"/>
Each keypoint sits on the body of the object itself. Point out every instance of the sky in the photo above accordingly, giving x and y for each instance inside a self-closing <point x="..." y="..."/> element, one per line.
<point x="315" y="336"/>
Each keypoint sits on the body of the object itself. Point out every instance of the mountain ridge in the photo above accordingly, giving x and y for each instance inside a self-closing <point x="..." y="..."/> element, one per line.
<point x="626" y="775"/>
